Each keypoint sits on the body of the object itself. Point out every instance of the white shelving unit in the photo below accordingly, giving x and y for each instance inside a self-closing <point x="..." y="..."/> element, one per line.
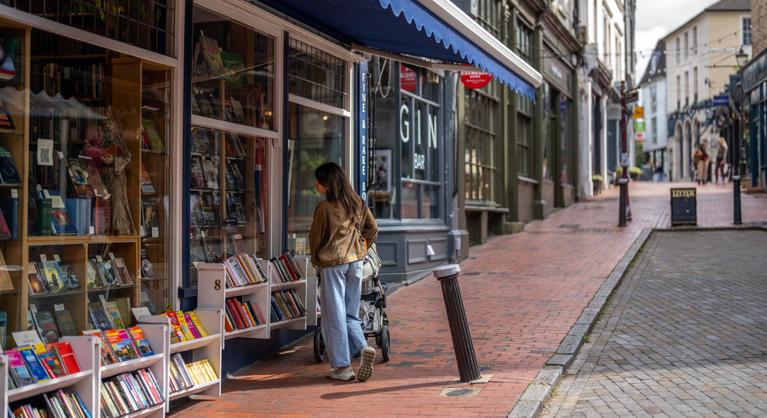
<point x="301" y="288"/>
<point x="158" y="335"/>
<point x="87" y="352"/>
<point x="312" y="288"/>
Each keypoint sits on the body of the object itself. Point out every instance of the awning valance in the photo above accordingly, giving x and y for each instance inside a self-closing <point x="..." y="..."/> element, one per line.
<point x="434" y="29"/>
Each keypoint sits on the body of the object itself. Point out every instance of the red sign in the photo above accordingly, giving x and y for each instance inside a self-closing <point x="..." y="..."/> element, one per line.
<point x="407" y="78"/>
<point x="475" y="79"/>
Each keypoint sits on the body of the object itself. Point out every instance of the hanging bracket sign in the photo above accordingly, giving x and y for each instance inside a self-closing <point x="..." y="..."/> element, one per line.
<point x="475" y="79"/>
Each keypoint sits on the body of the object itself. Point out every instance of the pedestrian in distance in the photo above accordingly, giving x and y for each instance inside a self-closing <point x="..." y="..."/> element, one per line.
<point x="341" y="231"/>
<point x="721" y="158"/>
<point x="700" y="158"/>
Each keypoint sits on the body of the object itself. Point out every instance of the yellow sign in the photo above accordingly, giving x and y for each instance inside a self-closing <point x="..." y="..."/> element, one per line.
<point x="682" y="192"/>
<point x="638" y="112"/>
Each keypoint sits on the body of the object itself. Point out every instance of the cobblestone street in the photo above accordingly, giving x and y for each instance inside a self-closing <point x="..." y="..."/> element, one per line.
<point x="684" y="334"/>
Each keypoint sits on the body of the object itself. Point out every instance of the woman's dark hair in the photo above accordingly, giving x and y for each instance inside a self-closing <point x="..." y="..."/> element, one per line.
<point x="332" y="177"/>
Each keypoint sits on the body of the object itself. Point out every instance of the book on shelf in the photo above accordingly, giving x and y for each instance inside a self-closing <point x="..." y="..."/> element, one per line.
<point x="9" y="174"/>
<point x="94" y="178"/>
<point x="78" y="176"/>
<point x="211" y="54"/>
<point x="146" y="182"/>
<point x="49" y="331"/>
<point x="233" y="67"/>
<point x="129" y="393"/>
<point x="154" y="138"/>
<point x="150" y="220"/>
<point x="32" y="361"/>
<point x="113" y="311"/>
<point x="80" y="212"/>
<point x="98" y="316"/>
<point x="121" y="344"/>
<point x="107" y="356"/>
<point x="286" y="268"/>
<point x="234" y="147"/>
<point x="66" y="356"/>
<point x="201" y="141"/>
<point x="140" y="341"/>
<point x="61" y="222"/>
<point x="287" y="304"/>
<point x="18" y="370"/>
<point x="54" y="276"/>
<point x="235" y="209"/>
<point x="6" y="284"/>
<point x="5" y="230"/>
<point x="185" y="326"/>
<point x="234" y="111"/>
<point x="121" y="270"/>
<point x="64" y="320"/>
<point x="58" y="404"/>
<point x="210" y="168"/>
<point x="187" y="375"/>
<point x="6" y="121"/>
<point x="3" y="327"/>
<point x="101" y="217"/>
<point x="10" y="209"/>
<point x="197" y="176"/>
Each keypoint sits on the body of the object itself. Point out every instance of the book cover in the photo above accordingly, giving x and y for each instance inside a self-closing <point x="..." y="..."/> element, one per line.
<point x="43" y="220"/>
<point x="67" y="356"/>
<point x="177" y="334"/>
<point x="234" y="147"/>
<point x="197" y="175"/>
<point x="33" y="363"/>
<point x="107" y="356"/>
<point x="78" y="175"/>
<point x="79" y="209"/>
<point x="122" y="270"/>
<point x="6" y="121"/>
<point x="146" y="182"/>
<point x="150" y="220"/>
<point x="122" y="348"/>
<point x="140" y="341"/>
<point x="155" y="139"/>
<point x="94" y="178"/>
<point x="49" y="330"/>
<point x="65" y="322"/>
<point x="198" y="324"/>
<point x="98" y="316"/>
<point x="8" y="172"/>
<point x="10" y="209"/>
<point x="184" y="326"/>
<point x="211" y="53"/>
<point x="235" y="209"/>
<point x="113" y="312"/>
<point x="191" y="325"/>
<point x="210" y="168"/>
<point x="51" y="363"/>
<point x="18" y="369"/>
<point x="201" y="141"/>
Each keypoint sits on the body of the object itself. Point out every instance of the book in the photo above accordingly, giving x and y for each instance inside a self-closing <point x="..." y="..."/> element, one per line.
<point x="61" y="223"/>
<point x="233" y="67"/>
<point x="44" y="215"/>
<point x="10" y="209"/>
<point x="146" y="182"/>
<point x="234" y="110"/>
<point x="196" y="320"/>
<point x="197" y="176"/>
<point x="78" y="175"/>
<point x="121" y="270"/>
<point x="188" y="335"/>
<point x="47" y="323"/>
<point x="201" y="142"/>
<point x="36" y="283"/>
<point x="192" y="326"/>
<point x="33" y="363"/>
<point x="150" y="220"/>
<point x="113" y="312"/>
<point x="6" y="121"/>
<point x="211" y="54"/>
<point x="176" y="333"/>
<point x="51" y="364"/>
<point x="235" y="209"/>
<point x="64" y="321"/>
<point x="79" y="209"/>
<point x="140" y="341"/>
<point x="18" y="370"/>
<point x="54" y="277"/>
<point x="234" y="147"/>
<point x="121" y="345"/>
<point x="67" y="356"/>
<point x="107" y="356"/>
<point x="94" y="178"/>
<point x="9" y="174"/>
<point x="210" y="168"/>
<point x="155" y="139"/>
<point x="98" y="316"/>
<point x="102" y="215"/>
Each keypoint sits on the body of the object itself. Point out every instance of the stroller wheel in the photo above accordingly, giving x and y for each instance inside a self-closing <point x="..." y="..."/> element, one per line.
<point x="319" y="346"/>
<point x="385" y="344"/>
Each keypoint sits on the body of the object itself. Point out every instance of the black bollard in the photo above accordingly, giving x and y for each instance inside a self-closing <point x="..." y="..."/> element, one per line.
<point x="738" y="220"/>
<point x="622" y="200"/>
<point x="459" y="326"/>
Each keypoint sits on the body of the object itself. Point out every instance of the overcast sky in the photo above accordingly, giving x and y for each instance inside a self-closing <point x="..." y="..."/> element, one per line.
<point x="655" y="19"/>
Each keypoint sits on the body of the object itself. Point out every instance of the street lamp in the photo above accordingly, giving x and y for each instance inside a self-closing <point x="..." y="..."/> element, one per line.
<point x="741" y="57"/>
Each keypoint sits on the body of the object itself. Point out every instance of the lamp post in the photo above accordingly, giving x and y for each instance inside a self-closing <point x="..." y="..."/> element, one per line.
<point x="737" y="101"/>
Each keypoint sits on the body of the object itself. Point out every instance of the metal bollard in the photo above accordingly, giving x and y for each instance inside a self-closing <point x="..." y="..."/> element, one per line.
<point x="459" y="326"/>
<point x="622" y="200"/>
<point x="736" y="200"/>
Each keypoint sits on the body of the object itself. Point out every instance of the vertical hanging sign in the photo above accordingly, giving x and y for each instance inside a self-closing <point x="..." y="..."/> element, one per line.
<point x="363" y="131"/>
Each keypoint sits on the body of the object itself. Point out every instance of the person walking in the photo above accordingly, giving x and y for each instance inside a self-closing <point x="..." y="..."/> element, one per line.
<point x="700" y="158"/>
<point x="342" y="229"/>
<point x="721" y="158"/>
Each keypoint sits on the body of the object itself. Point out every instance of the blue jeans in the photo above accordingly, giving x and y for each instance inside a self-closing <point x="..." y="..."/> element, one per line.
<point x="341" y="327"/>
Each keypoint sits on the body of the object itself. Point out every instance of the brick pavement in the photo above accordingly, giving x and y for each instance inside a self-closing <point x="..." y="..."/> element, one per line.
<point x="522" y="293"/>
<point x="683" y="336"/>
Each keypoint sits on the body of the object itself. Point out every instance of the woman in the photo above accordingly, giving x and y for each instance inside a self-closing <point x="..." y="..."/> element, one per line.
<point x="700" y="158"/>
<point x="342" y="229"/>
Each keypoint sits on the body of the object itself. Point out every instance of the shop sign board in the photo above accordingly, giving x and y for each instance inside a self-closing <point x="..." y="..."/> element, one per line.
<point x="475" y="79"/>
<point x="363" y="130"/>
<point x="684" y="206"/>
<point x="407" y="78"/>
<point x="638" y="112"/>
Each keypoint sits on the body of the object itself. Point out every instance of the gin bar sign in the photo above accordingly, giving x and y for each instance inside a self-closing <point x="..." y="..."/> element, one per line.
<point x="475" y="79"/>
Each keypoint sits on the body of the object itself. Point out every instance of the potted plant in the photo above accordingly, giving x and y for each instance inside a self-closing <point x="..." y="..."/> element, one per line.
<point x="635" y="172"/>
<point x="598" y="181"/>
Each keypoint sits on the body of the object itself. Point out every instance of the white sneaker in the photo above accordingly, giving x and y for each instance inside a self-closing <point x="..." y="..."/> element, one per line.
<point x="342" y="373"/>
<point x="366" y="364"/>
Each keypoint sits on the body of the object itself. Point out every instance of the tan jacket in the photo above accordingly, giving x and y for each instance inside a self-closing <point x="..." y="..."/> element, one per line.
<point x="334" y="240"/>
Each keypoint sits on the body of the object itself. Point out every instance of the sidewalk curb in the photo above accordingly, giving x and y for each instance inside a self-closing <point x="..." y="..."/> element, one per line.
<point x="530" y="403"/>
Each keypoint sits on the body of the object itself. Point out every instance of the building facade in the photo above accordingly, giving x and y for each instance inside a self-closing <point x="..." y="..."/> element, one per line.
<point x="700" y="56"/>
<point x="653" y="95"/>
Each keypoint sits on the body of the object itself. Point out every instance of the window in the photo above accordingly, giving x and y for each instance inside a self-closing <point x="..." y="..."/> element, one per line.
<point x="524" y="40"/>
<point x="678" y="92"/>
<point x="654" y="129"/>
<point x="618" y="59"/>
<point x="695" y="85"/>
<point x="686" y="88"/>
<point x="686" y="45"/>
<point x="695" y="41"/>
<point x="747" y="31"/>
<point x="653" y="99"/>
<point x="480" y="143"/>
<point x="489" y="16"/>
<point x="606" y="40"/>
<point x="317" y="130"/>
<point x="524" y="136"/>
<point x="678" y="51"/>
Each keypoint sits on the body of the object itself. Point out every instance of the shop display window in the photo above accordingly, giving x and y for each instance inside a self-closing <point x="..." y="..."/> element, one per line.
<point x="233" y="72"/>
<point x="83" y="136"/>
<point x="228" y="195"/>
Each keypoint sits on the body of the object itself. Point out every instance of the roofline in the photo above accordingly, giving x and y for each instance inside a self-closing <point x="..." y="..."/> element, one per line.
<point x="701" y="13"/>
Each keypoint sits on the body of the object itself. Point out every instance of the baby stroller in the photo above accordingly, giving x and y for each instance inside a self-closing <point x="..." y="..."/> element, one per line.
<point x="373" y="317"/>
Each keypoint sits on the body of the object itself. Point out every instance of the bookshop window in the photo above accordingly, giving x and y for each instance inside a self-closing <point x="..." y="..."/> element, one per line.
<point x="382" y="190"/>
<point x="564" y="142"/>
<point x="228" y="199"/>
<point x="147" y="24"/>
<point x="316" y="75"/>
<point x="233" y="72"/>
<point x="314" y="138"/>
<point x="95" y="242"/>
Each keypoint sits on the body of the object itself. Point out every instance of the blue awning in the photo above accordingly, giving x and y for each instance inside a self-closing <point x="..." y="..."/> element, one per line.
<point x="409" y="27"/>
